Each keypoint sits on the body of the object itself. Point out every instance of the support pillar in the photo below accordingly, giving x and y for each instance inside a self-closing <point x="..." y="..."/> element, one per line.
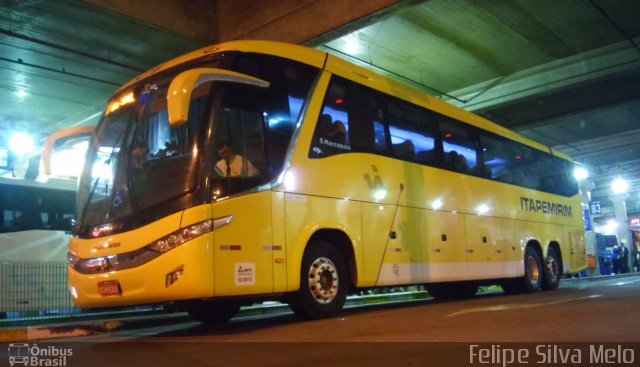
<point x="590" y="233"/>
<point x="623" y="232"/>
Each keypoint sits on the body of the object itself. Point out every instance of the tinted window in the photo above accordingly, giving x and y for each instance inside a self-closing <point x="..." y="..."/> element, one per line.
<point x="412" y="136"/>
<point x="517" y="164"/>
<point x="357" y="119"/>
<point x="459" y="146"/>
<point x="352" y="120"/>
<point x="280" y="105"/>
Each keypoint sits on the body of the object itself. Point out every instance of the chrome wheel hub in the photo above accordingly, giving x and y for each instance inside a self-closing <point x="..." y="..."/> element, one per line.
<point x="533" y="271"/>
<point x="323" y="280"/>
<point x="553" y="269"/>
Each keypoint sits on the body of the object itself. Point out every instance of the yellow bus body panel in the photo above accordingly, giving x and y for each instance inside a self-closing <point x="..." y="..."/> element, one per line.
<point x="244" y="252"/>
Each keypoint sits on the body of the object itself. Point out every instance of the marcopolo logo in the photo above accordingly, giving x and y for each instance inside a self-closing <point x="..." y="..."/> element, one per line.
<point x="23" y="354"/>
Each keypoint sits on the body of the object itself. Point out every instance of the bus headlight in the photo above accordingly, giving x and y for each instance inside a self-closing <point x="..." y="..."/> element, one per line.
<point x="147" y="253"/>
<point x="181" y="236"/>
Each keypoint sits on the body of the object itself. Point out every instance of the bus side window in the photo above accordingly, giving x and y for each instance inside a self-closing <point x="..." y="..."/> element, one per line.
<point x="460" y="147"/>
<point x="405" y="150"/>
<point x="332" y="128"/>
<point x="412" y="137"/>
<point x="367" y="132"/>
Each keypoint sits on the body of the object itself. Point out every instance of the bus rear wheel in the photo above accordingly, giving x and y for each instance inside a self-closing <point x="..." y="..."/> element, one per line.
<point x="533" y="275"/>
<point x="213" y="312"/>
<point x="552" y="271"/>
<point x="323" y="283"/>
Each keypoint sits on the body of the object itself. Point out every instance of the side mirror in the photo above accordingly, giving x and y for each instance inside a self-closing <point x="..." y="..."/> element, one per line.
<point x="59" y="137"/>
<point x="181" y="87"/>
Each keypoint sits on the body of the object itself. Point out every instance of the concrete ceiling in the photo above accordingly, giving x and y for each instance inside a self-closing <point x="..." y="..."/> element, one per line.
<point x="60" y="62"/>
<point x="564" y="73"/>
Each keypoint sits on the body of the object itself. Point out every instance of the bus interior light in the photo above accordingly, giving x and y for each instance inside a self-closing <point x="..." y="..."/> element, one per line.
<point x="104" y="229"/>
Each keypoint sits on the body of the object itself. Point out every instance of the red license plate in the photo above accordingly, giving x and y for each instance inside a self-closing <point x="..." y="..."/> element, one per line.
<point x="109" y="288"/>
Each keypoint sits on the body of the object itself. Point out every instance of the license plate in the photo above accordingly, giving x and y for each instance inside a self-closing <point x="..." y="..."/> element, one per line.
<point x="109" y="288"/>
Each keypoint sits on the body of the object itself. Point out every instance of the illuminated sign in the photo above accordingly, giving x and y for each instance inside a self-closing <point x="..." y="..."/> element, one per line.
<point x="595" y="207"/>
<point x="634" y="222"/>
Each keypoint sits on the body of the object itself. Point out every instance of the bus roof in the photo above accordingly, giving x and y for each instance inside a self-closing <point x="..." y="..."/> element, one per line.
<point x="346" y="69"/>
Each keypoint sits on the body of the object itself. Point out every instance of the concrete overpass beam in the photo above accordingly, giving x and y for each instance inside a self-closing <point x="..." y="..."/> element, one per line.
<point x="295" y="21"/>
<point x="194" y="18"/>
<point x="600" y="63"/>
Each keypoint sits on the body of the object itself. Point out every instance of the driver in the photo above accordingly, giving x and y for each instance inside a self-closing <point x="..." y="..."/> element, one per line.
<point x="233" y="165"/>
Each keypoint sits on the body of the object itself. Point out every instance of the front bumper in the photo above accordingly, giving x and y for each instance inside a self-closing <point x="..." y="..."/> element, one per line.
<point x="147" y="283"/>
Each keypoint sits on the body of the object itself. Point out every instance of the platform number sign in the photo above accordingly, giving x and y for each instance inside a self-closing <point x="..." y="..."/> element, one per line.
<point x="595" y="207"/>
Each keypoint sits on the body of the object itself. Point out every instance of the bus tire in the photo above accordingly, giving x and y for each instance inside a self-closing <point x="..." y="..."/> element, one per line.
<point x="552" y="271"/>
<point x="324" y="282"/>
<point x="532" y="271"/>
<point x="213" y="312"/>
<point x="532" y="280"/>
<point x="452" y="291"/>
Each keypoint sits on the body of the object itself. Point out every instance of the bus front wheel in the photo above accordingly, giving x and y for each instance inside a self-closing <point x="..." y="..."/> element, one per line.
<point x="323" y="282"/>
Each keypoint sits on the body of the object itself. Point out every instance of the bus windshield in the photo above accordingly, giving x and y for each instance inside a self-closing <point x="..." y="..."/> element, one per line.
<point x="139" y="167"/>
<point x="137" y="160"/>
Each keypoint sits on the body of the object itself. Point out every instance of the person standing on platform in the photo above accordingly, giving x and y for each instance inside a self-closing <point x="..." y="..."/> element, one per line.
<point x="615" y="259"/>
<point x="624" y="257"/>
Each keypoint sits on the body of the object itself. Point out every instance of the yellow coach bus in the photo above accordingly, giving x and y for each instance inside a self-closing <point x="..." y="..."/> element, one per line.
<point x="260" y="170"/>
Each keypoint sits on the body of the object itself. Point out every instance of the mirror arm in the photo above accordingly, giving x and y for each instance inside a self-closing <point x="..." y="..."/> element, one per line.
<point x="181" y="87"/>
<point x="47" y="146"/>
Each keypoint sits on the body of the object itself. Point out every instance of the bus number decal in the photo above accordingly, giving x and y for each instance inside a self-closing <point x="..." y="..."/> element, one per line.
<point x="245" y="274"/>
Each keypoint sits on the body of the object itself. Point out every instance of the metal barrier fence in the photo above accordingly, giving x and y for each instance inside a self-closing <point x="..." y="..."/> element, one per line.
<point x="38" y="290"/>
<point x="34" y="286"/>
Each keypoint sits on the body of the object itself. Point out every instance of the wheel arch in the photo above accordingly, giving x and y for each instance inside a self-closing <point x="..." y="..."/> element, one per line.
<point x="341" y="241"/>
<point x="337" y="236"/>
